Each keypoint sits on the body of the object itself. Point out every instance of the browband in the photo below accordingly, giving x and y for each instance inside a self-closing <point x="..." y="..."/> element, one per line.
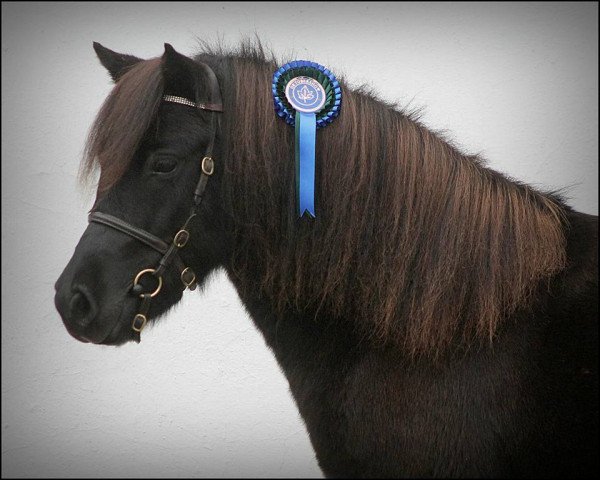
<point x="213" y="107"/>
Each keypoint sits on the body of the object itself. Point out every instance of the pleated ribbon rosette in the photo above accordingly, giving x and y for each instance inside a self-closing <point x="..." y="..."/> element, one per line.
<point x="307" y="96"/>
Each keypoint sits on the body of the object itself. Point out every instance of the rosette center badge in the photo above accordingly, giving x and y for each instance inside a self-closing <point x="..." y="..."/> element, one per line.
<point x="307" y="96"/>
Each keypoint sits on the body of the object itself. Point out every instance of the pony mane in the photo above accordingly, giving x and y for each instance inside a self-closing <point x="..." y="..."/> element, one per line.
<point x="122" y="122"/>
<point x="414" y="242"/>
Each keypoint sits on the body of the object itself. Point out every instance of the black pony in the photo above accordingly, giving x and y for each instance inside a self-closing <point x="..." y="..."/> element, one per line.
<point x="435" y="319"/>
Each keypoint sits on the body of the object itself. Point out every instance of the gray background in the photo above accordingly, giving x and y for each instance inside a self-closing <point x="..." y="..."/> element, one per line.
<point x="202" y="395"/>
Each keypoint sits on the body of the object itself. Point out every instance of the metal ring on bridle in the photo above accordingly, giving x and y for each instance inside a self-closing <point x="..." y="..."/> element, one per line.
<point x="143" y="319"/>
<point x="208" y="166"/>
<point x="188" y="282"/>
<point x="181" y="238"/>
<point x="148" y="270"/>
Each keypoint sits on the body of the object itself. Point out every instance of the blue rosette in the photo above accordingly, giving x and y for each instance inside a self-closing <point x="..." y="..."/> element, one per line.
<point x="307" y="96"/>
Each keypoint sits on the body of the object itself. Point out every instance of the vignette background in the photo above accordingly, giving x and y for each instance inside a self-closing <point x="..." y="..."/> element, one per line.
<point x="202" y="396"/>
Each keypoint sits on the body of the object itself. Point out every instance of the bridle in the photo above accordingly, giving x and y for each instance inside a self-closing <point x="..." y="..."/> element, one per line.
<point x="170" y="249"/>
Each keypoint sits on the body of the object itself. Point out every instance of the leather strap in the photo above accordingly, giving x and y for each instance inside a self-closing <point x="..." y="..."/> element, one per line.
<point x="141" y="318"/>
<point x="135" y="232"/>
<point x="169" y="252"/>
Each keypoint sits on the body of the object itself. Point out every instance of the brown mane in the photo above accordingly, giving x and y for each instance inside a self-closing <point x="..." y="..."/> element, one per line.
<point x="122" y="122"/>
<point x="414" y="242"/>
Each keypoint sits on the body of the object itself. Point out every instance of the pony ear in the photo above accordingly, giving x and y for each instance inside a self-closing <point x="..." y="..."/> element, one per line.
<point x="116" y="63"/>
<point x="183" y="77"/>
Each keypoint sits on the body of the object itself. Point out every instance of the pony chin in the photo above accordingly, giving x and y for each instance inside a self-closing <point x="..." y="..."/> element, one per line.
<point x="122" y="332"/>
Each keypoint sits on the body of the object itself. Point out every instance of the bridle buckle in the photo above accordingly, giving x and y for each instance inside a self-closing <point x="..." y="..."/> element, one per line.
<point x="188" y="278"/>
<point x="141" y="318"/>
<point x="208" y="166"/>
<point x="181" y="238"/>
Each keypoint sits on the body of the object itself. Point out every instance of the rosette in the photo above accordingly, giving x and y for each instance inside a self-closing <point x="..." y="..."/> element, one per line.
<point x="308" y="96"/>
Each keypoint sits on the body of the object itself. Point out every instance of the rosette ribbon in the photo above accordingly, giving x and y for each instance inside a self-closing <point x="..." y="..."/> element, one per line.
<point x="307" y="96"/>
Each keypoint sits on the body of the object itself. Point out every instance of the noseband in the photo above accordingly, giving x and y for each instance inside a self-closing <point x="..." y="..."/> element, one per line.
<point x="170" y="249"/>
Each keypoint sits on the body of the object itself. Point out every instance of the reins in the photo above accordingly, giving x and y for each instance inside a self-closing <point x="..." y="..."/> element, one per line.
<point x="170" y="250"/>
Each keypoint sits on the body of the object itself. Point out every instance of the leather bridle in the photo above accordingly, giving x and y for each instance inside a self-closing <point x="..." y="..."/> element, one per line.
<point x="170" y="249"/>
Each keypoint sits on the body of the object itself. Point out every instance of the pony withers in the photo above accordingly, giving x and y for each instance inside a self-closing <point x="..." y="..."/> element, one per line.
<point x="434" y="318"/>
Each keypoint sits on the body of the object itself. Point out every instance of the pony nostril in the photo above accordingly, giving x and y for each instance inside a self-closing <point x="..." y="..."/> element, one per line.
<point x="82" y="307"/>
<point x="79" y="305"/>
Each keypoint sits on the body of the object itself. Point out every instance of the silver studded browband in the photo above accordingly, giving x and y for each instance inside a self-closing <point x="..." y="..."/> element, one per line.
<point x="213" y="107"/>
<point x="183" y="101"/>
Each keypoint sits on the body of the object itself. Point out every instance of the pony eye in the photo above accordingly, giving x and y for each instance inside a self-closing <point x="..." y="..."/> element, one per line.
<point x="164" y="165"/>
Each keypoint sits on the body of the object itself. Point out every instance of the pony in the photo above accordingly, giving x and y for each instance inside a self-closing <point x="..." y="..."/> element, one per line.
<point x="436" y="318"/>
